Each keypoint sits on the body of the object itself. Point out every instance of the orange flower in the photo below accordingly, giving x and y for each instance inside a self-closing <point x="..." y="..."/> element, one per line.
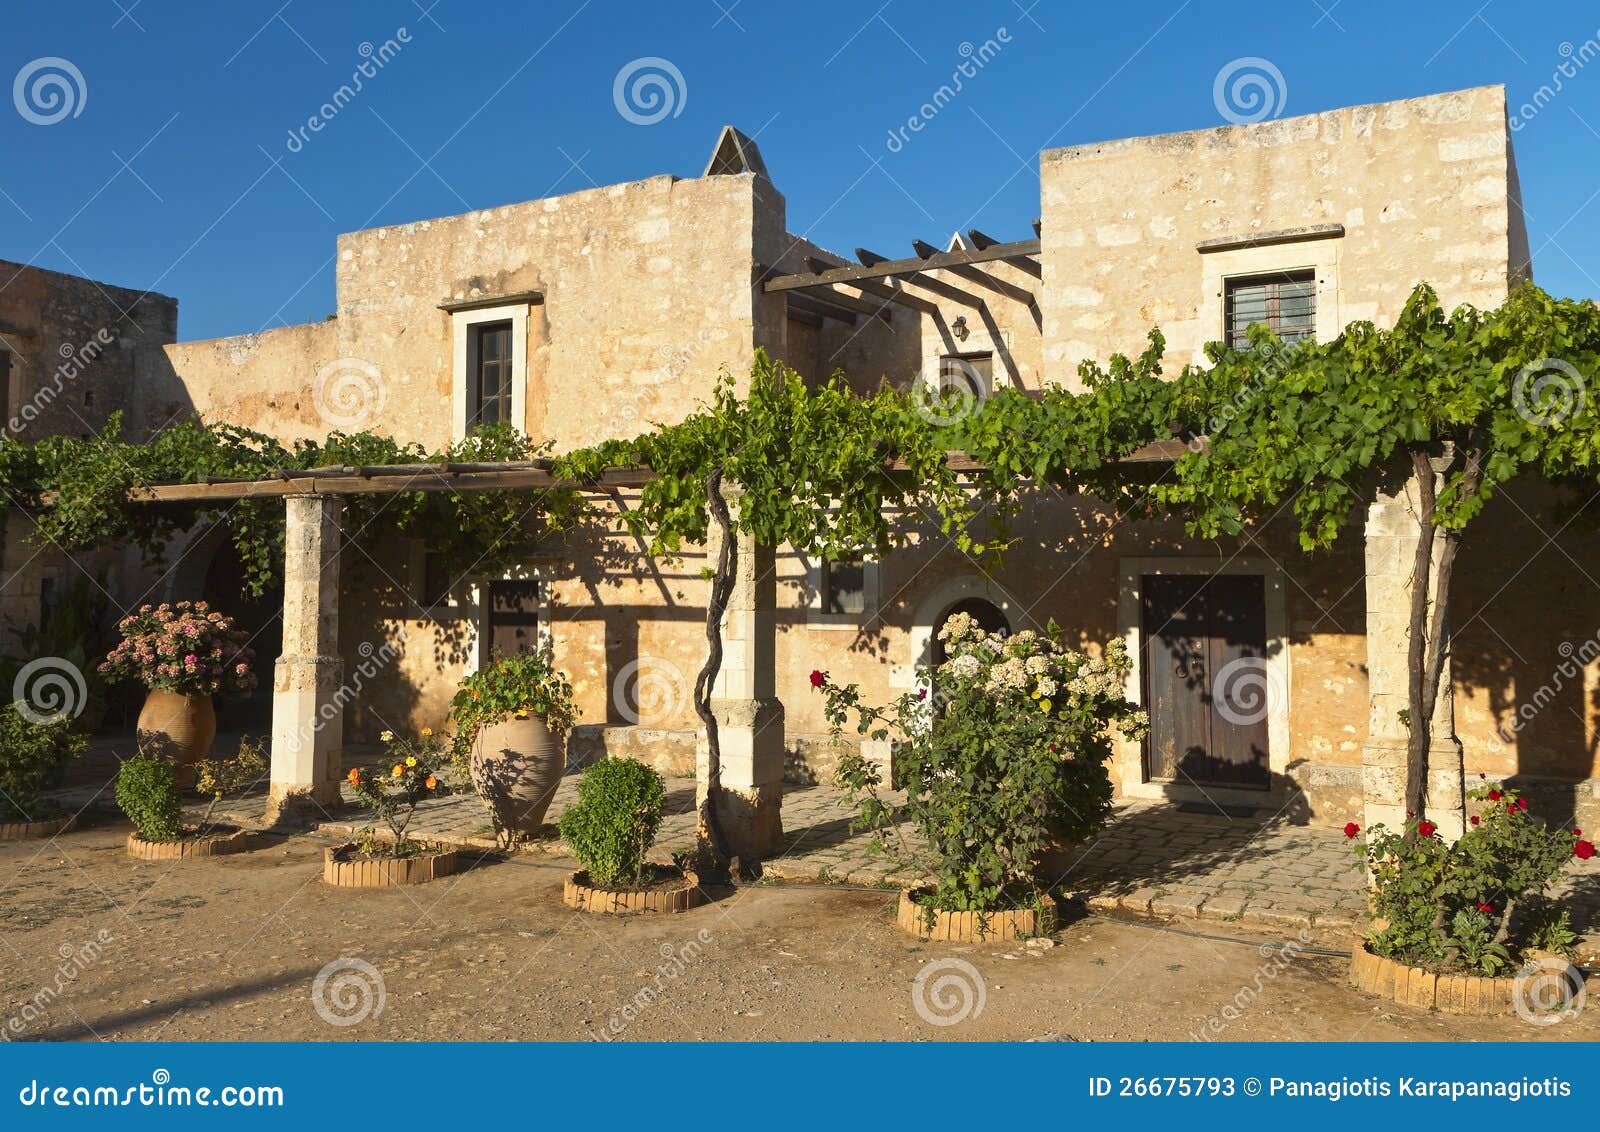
<point x="431" y="782"/>
<point x="398" y="770"/>
<point x="355" y="776"/>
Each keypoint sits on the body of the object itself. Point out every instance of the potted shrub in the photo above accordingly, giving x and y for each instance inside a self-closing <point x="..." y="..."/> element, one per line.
<point x="410" y="771"/>
<point x="184" y="654"/>
<point x="1006" y="763"/>
<point x="148" y="793"/>
<point x="33" y="752"/>
<point x="610" y="830"/>
<point x="512" y="718"/>
<point x="1454" y="925"/>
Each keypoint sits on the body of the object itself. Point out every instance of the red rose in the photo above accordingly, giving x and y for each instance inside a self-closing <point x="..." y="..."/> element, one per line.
<point x="1474" y="819"/>
<point x="1351" y="829"/>
<point x="1522" y="803"/>
<point x="1577" y="833"/>
<point x="1494" y="795"/>
<point x="818" y="678"/>
<point x="1482" y="775"/>
<point x="1425" y="828"/>
<point x="1482" y="907"/>
<point x="1583" y="850"/>
<point x="1511" y="807"/>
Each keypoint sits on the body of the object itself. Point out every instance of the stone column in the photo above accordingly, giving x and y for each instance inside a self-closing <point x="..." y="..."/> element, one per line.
<point x="1391" y="547"/>
<point x="307" y="709"/>
<point x="744" y="700"/>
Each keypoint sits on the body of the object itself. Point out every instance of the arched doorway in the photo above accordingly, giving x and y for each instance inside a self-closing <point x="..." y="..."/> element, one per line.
<point x="989" y="617"/>
<point x="261" y="618"/>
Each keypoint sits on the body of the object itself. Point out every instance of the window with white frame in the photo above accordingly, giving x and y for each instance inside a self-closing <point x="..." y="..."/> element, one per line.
<point x="491" y="367"/>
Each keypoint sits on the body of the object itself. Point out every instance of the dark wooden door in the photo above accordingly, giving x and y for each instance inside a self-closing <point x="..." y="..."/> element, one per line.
<point x="1205" y="679"/>
<point x="513" y="618"/>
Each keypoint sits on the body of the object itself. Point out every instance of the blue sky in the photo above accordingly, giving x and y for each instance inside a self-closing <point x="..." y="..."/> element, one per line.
<point x="176" y="172"/>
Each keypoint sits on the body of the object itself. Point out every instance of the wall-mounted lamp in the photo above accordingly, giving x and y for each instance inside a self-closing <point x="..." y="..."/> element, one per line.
<point x="959" y="328"/>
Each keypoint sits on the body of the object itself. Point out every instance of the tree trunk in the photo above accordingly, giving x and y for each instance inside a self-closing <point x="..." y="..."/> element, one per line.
<point x="716" y="605"/>
<point x="1420" y="709"/>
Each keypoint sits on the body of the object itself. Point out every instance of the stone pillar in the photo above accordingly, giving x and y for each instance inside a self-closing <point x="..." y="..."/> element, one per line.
<point x="744" y="700"/>
<point x="307" y="709"/>
<point x="1391" y="547"/>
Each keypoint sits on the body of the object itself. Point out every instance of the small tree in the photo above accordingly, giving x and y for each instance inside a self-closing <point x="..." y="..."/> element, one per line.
<point x="615" y="820"/>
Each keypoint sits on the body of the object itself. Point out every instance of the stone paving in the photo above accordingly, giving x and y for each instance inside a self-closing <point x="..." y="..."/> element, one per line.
<point x="1153" y="859"/>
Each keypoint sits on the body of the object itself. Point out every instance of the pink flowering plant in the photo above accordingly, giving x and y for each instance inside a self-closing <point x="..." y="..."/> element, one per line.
<point x="1478" y="904"/>
<point x="1006" y="758"/>
<point x="188" y="648"/>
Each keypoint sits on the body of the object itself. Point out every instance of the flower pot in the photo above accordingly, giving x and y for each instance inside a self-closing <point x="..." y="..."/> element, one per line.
<point x="970" y="927"/>
<point x="516" y="766"/>
<point x="179" y="725"/>
<point x="27" y="830"/>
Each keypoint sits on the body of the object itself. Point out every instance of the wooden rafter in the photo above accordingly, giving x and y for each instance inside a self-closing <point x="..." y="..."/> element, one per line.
<point x="1020" y="252"/>
<point x="979" y="276"/>
<point x="926" y="282"/>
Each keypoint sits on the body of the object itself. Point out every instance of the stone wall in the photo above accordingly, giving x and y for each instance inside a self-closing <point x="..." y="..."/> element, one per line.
<point x="1425" y="190"/>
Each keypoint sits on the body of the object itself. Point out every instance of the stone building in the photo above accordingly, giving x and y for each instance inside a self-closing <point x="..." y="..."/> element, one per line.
<point x="590" y="315"/>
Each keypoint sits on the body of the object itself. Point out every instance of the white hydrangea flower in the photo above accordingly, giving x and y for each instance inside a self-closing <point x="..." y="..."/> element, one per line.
<point x="965" y="665"/>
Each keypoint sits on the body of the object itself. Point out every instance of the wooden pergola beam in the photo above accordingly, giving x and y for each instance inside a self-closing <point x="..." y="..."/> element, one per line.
<point x="926" y="282"/>
<point x="1020" y="249"/>
<point x="979" y="276"/>
<point x="819" y="307"/>
<point x="872" y="290"/>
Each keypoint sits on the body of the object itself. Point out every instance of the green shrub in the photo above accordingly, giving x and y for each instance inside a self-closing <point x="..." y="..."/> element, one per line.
<point x="147" y="791"/>
<point x="31" y="755"/>
<point x="614" y="823"/>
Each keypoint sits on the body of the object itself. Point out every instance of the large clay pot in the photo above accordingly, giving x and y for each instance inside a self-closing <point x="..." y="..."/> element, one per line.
<point x="516" y="767"/>
<point x="178" y="725"/>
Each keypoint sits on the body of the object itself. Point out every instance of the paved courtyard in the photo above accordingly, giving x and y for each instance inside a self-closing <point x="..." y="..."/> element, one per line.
<point x="1153" y="859"/>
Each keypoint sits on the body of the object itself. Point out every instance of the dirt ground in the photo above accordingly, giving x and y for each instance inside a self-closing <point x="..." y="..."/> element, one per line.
<point x="97" y="945"/>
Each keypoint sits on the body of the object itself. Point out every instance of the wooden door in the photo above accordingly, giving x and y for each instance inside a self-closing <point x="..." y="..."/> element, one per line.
<point x="1204" y="648"/>
<point x="513" y="618"/>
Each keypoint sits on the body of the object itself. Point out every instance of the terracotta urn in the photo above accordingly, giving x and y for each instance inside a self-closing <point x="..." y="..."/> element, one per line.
<point x="516" y="766"/>
<point x="178" y="725"/>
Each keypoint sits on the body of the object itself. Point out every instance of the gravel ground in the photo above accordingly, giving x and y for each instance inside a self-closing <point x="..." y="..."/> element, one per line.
<point x="231" y="948"/>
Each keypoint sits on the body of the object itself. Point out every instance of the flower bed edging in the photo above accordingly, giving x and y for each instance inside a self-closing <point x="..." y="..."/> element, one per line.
<point x="384" y="872"/>
<point x="1413" y="986"/>
<point x="577" y="893"/>
<point x="27" y="830"/>
<point x="967" y="927"/>
<point x="211" y="845"/>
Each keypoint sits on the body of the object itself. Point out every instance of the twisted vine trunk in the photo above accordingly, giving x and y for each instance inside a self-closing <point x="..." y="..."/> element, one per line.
<point x="716" y="605"/>
<point x="1429" y="627"/>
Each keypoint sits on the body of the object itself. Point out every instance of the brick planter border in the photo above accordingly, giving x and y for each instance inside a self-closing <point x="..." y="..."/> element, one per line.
<point x="1413" y="986"/>
<point x="578" y="893"/>
<point x="28" y="830"/>
<point x="211" y="845"/>
<point x="966" y="927"/>
<point x="385" y="872"/>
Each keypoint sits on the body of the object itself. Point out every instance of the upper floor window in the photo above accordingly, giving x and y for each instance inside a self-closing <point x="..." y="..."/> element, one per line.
<point x="1286" y="303"/>
<point x="489" y="374"/>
